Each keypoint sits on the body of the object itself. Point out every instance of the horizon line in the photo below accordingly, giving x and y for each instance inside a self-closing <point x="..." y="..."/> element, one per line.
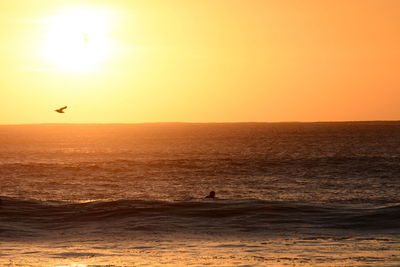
<point x="172" y="122"/>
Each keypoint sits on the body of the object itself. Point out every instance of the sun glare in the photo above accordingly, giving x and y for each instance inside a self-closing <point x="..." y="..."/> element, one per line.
<point x="77" y="39"/>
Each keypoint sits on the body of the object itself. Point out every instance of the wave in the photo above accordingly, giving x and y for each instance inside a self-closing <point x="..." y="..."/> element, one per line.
<point x="20" y="218"/>
<point x="382" y="166"/>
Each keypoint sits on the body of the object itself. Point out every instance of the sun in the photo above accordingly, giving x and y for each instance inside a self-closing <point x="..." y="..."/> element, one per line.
<point x="77" y="39"/>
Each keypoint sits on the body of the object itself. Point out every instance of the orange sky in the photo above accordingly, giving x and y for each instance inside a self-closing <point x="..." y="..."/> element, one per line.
<point x="131" y="61"/>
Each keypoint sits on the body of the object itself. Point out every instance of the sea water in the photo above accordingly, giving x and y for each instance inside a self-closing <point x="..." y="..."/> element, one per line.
<point x="321" y="194"/>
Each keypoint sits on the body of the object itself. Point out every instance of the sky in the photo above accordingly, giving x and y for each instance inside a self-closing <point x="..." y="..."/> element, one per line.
<point x="134" y="61"/>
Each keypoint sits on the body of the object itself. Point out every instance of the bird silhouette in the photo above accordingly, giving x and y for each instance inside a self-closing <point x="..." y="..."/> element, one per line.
<point x="60" y="110"/>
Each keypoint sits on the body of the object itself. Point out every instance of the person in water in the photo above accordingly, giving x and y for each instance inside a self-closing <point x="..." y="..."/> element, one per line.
<point x="211" y="195"/>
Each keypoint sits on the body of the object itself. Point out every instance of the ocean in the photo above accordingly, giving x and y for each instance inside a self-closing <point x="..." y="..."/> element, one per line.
<point x="287" y="194"/>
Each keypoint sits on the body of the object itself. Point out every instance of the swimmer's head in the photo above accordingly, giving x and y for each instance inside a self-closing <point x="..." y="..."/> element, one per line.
<point x="211" y="194"/>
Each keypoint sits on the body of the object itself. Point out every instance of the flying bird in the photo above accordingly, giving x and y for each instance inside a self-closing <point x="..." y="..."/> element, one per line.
<point x="60" y="110"/>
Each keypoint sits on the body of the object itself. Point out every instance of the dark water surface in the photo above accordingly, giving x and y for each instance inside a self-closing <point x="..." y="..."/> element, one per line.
<point x="336" y="180"/>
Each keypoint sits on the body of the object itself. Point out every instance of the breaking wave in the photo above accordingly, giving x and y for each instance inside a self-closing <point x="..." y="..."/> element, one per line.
<point x="19" y="218"/>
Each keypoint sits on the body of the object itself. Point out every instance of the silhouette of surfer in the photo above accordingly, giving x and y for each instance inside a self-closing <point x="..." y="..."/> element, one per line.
<point x="211" y="195"/>
<point x="60" y="110"/>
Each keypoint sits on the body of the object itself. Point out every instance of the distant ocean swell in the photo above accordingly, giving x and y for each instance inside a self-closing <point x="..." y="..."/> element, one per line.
<point x="375" y="166"/>
<point x="21" y="218"/>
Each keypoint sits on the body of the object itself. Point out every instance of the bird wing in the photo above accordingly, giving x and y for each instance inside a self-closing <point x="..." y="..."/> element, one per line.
<point x="63" y="108"/>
